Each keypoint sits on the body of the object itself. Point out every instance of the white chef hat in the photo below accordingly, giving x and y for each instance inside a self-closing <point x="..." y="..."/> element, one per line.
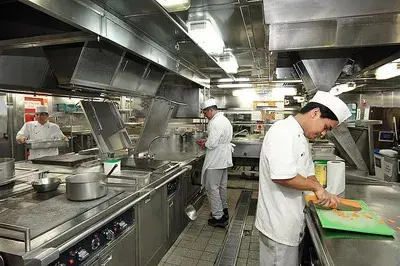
<point x="337" y="106"/>
<point x="208" y="103"/>
<point x="41" y="109"/>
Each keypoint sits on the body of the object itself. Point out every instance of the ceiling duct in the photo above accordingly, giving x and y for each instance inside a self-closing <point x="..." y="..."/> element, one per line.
<point x="105" y="66"/>
<point x="25" y="69"/>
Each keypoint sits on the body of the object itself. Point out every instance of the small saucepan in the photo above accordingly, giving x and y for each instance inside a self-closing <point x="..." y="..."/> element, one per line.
<point x="47" y="184"/>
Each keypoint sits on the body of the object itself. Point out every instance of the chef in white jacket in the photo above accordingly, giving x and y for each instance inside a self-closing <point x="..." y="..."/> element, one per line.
<point x="286" y="170"/>
<point x="218" y="159"/>
<point x="41" y="129"/>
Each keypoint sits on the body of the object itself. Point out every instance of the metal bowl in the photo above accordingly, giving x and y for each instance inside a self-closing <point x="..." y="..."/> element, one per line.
<point x="46" y="184"/>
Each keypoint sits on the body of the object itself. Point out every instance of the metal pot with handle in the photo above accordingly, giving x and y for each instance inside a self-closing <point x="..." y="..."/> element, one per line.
<point x="7" y="169"/>
<point x="90" y="186"/>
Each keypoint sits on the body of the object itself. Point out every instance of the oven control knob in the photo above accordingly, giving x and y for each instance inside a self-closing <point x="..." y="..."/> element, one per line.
<point x="108" y="234"/>
<point x="82" y="254"/>
<point x="121" y="225"/>
<point x="95" y="243"/>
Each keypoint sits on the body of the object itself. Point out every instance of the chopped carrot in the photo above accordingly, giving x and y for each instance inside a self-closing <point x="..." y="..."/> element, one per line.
<point x="398" y="228"/>
<point x="343" y="201"/>
<point x="381" y="221"/>
<point x="355" y="214"/>
<point x="398" y="216"/>
<point x="368" y="216"/>
<point x="391" y="221"/>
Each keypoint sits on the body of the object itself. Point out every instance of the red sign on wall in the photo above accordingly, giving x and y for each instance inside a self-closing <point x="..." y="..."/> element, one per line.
<point x="30" y="104"/>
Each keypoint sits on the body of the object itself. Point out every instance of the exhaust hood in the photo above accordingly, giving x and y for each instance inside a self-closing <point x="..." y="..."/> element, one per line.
<point x="25" y="69"/>
<point x="103" y="66"/>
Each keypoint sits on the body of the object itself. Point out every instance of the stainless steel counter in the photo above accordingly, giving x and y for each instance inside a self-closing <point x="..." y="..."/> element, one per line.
<point x="68" y="228"/>
<point x="347" y="248"/>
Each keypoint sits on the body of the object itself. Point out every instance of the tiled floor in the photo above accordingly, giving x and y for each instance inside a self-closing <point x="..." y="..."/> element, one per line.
<point x="199" y="244"/>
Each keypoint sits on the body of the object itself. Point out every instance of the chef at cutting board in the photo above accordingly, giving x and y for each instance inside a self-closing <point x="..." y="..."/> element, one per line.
<point x="286" y="170"/>
<point x="41" y="129"/>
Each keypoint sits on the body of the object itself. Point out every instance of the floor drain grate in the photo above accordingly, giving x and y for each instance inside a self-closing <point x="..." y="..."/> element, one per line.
<point x="230" y="249"/>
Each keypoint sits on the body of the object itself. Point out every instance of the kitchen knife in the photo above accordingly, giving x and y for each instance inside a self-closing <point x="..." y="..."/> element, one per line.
<point x="340" y="207"/>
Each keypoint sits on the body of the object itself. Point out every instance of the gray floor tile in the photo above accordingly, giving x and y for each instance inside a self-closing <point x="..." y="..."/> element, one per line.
<point x="245" y="245"/>
<point x="254" y="239"/>
<point x="205" y="234"/>
<point x="216" y="241"/>
<point x="168" y="264"/>
<point x="243" y="253"/>
<point x="194" y="254"/>
<point x="175" y="260"/>
<point x="254" y="255"/>
<point x="185" y="244"/>
<point x="251" y="262"/>
<point x="189" y="262"/>
<point x="161" y="263"/>
<point x="201" y="239"/>
<point x="190" y="238"/>
<point x="205" y="263"/>
<point x="199" y="245"/>
<point x="241" y="262"/>
<point x="249" y="185"/>
<point x="180" y="251"/>
<point x="208" y="256"/>
<point x="255" y="246"/>
<point x="213" y="248"/>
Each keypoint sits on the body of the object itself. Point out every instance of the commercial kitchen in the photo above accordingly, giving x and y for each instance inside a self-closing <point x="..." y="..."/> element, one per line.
<point x="125" y="80"/>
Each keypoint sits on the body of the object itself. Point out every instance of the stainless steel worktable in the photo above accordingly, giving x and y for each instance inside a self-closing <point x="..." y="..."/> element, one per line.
<point x="347" y="248"/>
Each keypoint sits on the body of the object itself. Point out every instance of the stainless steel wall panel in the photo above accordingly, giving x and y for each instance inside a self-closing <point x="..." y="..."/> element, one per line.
<point x="289" y="11"/>
<point x="341" y="33"/>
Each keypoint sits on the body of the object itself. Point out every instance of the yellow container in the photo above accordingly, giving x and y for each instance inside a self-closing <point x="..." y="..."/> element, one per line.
<point x="320" y="172"/>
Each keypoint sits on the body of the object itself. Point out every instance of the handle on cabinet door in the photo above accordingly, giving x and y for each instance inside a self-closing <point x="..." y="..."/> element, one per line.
<point x="171" y="203"/>
<point x="109" y="258"/>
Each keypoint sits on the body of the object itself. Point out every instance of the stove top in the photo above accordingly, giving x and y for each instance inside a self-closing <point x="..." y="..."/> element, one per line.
<point x="42" y="212"/>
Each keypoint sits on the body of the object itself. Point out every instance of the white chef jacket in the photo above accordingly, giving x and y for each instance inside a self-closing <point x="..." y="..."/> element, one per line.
<point x="285" y="153"/>
<point x="218" y="144"/>
<point x="33" y="130"/>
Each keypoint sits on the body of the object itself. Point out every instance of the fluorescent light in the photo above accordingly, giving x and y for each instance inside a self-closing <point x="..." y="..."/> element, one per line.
<point x="207" y="36"/>
<point x="282" y="91"/>
<point x="245" y="94"/>
<point x="242" y="85"/>
<point x="388" y="70"/>
<point x="231" y="80"/>
<point x="175" y="5"/>
<point x="341" y="88"/>
<point x="228" y="62"/>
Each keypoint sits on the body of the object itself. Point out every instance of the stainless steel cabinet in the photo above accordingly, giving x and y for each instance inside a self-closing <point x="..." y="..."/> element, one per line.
<point x="151" y="228"/>
<point x="175" y="216"/>
<point x="123" y="253"/>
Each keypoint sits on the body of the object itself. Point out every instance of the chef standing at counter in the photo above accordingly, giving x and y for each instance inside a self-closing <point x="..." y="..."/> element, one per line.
<point x="214" y="174"/>
<point x="41" y="129"/>
<point x="286" y="170"/>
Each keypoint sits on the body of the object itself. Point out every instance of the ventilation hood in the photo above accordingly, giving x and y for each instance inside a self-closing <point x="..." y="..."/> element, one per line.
<point x="90" y="66"/>
<point x="102" y="65"/>
<point x="25" y="69"/>
<point x="318" y="74"/>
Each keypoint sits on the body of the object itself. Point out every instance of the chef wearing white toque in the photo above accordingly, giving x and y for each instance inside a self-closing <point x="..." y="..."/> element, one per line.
<point x="286" y="170"/>
<point x="41" y="129"/>
<point x="218" y="159"/>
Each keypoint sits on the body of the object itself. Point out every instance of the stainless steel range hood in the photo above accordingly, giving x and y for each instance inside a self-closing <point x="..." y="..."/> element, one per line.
<point x="25" y="69"/>
<point x="104" y="66"/>
<point x="319" y="74"/>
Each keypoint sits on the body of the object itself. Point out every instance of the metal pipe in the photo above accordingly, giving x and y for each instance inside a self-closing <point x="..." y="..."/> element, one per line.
<point x="151" y="142"/>
<point x="241" y="131"/>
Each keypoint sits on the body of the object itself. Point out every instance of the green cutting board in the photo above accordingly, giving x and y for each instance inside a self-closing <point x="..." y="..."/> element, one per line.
<point x="330" y="219"/>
